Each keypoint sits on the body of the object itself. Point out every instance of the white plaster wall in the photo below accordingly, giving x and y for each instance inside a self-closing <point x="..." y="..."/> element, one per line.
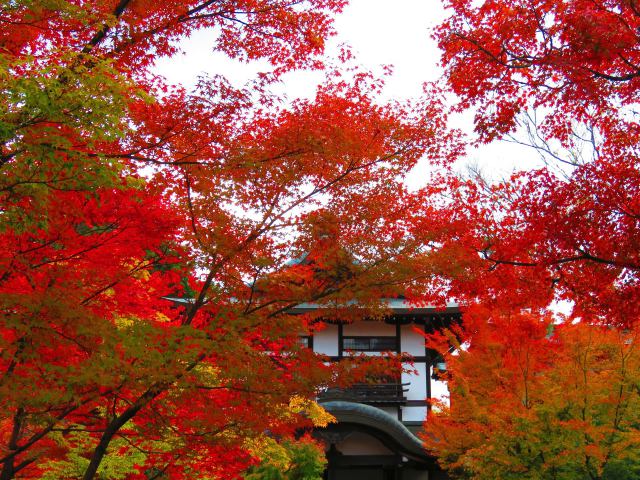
<point x="372" y="327"/>
<point x="414" y="414"/>
<point x="326" y="340"/>
<point x="362" y="444"/>
<point x="411" y="342"/>
<point x="418" y="386"/>
<point x="393" y="411"/>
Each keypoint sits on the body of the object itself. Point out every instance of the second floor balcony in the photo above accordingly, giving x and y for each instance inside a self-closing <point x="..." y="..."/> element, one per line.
<point x="381" y="394"/>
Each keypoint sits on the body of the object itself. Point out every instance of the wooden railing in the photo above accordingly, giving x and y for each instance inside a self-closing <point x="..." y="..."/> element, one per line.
<point x="374" y="393"/>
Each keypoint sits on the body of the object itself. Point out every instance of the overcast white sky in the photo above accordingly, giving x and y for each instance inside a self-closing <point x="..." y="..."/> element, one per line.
<point x="379" y="32"/>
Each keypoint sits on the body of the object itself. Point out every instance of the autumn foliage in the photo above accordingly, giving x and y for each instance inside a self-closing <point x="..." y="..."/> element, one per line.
<point x="155" y="237"/>
<point x="537" y="394"/>
<point x="560" y="77"/>
<point x="147" y="234"/>
<point x="530" y="399"/>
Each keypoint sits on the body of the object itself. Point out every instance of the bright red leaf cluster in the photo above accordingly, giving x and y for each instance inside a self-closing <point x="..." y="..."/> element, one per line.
<point x="530" y="399"/>
<point x="147" y="232"/>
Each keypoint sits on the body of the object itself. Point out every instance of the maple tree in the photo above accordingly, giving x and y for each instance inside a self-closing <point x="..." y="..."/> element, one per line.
<point x="565" y="72"/>
<point x="578" y="59"/>
<point x="530" y="399"/>
<point x="147" y="234"/>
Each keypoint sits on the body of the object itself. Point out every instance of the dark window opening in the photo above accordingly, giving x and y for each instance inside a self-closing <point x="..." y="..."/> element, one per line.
<point x="370" y="344"/>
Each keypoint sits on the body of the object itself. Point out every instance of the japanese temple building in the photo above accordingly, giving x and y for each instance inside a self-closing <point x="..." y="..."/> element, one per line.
<point x="375" y="437"/>
<point x="375" y="434"/>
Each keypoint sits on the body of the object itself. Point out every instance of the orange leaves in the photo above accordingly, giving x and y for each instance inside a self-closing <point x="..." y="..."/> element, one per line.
<point x="545" y="405"/>
<point x="529" y="396"/>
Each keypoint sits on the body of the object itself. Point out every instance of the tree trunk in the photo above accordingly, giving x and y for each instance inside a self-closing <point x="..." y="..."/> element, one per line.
<point x="116" y="424"/>
<point x="8" y="469"/>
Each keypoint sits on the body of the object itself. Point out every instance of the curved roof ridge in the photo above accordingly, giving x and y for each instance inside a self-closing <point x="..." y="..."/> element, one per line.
<point x="367" y="415"/>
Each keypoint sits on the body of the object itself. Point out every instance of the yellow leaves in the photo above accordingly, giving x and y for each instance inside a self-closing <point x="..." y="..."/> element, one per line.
<point x="581" y="410"/>
<point x="128" y="322"/>
<point x="318" y="415"/>
<point x="142" y="275"/>
<point x="286" y="459"/>
<point x="123" y="323"/>
<point x="161" y="317"/>
<point x="267" y="448"/>
<point x="138" y="273"/>
<point x="207" y="371"/>
<point x="119" y="465"/>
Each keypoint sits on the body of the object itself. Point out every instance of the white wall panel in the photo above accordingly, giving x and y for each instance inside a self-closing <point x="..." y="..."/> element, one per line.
<point x="326" y="340"/>
<point x="414" y="414"/>
<point x="411" y="341"/>
<point x="418" y="386"/>
<point x="440" y="391"/>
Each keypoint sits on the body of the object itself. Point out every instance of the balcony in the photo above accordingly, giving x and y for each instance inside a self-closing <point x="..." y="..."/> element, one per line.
<point x="381" y="394"/>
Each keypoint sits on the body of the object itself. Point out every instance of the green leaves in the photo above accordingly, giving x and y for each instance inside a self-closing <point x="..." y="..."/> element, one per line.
<point x="288" y="460"/>
<point x="120" y="465"/>
<point x="61" y="120"/>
